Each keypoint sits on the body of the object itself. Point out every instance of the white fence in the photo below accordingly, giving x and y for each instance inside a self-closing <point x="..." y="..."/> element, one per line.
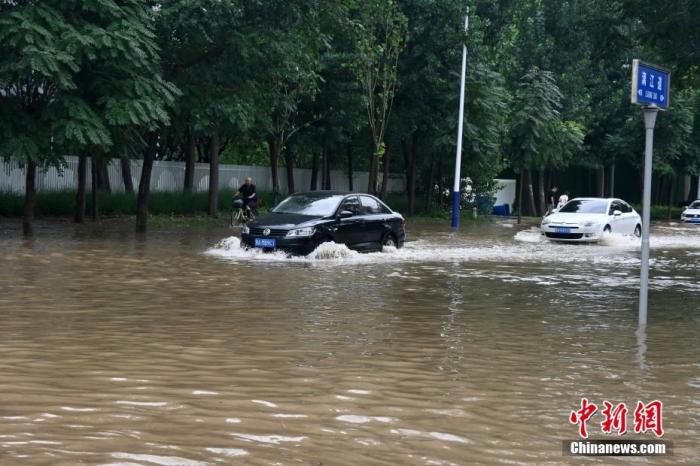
<point x="170" y="176"/>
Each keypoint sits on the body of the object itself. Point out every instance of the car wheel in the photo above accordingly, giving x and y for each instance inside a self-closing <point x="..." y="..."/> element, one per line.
<point x="390" y="241"/>
<point x="607" y="229"/>
<point x="638" y="231"/>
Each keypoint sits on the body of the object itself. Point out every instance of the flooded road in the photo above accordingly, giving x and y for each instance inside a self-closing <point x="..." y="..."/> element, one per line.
<point x="183" y="349"/>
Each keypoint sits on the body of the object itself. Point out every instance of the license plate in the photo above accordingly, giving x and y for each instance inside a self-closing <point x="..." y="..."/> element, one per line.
<point x="265" y="242"/>
<point x="562" y="230"/>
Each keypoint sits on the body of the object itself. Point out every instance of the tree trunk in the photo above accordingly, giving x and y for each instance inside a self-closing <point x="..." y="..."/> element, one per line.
<point x="94" y="170"/>
<point x="274" y="148"/>
<point x="409" y="172"/>
<point x="29" y="199"/>
<point x="540" y="189"/>
<point x="686" y="188"/>
<point x="530" y="193"/>
<point x="371" y="179"/>
<point x="328" y="153"/>
<point x="414" y="175"/>
<point x="145" y="184"/>
<point x="315" y="164"/>
<point x="385" y="174"/>
<point x="671" y="195"/>
<point x="79" y="216"/>
<point x="289" y="162"/>
<point x="429" y="194"/>
<point x="550" y="180"/>
<point x="694" y="185"/>
<point x="520" y="196"/>
<point x="314" y="171"/>
<point x="189" y="162"/>
<point x="658" y="190"/>
<point x="411" y="168"/>
<point x="125" y="164"/>
<point x="348" y="148"/>
<point x="375" y="173"/>
<point x="601" y="181"/>
<point x="103" y="183"/>
<point x="215" y="145"/>
<point x="440" y="182"/>
<point x="612" y="180"/>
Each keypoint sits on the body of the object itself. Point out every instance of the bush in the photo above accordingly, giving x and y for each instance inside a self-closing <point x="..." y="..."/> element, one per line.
<point x="62" y="203"/>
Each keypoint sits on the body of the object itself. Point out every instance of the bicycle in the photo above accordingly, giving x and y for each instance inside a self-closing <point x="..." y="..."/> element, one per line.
<point x="241" y="215"/>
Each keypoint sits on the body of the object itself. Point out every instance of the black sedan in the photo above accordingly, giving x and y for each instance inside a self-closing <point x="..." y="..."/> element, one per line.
<point x="304" y="220"/>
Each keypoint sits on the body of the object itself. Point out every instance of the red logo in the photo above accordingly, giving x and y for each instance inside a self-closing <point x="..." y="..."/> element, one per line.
<point x="647" y="417"/>
<point x="581" y="416"/>
<point x="615" y="418"/>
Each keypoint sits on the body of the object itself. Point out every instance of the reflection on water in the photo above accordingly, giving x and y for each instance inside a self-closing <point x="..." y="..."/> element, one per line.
<point x="177" y="350"/>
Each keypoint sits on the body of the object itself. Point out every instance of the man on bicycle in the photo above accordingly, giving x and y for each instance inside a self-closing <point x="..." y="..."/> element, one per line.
<point x="247" y="193"/>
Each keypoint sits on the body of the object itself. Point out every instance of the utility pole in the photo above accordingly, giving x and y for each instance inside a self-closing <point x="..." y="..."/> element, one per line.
<point x="460" y="125"/>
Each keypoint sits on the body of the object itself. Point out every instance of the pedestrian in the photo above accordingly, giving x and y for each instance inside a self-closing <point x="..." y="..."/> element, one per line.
<point x="552" y="199"/>
<point x="563" y="199"/>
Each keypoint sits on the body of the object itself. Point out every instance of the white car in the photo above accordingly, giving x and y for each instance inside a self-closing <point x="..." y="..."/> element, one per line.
<point x="586" y="219"/>
<point x="691" y="214"/>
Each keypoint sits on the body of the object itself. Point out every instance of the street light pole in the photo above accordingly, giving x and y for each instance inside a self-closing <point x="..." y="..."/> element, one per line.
<point x="460" y="125"/>
<point x="649" y="123"/>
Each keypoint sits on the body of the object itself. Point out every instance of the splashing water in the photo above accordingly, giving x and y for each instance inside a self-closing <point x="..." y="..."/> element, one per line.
<point x="331" y="250"/>
<point x="525" y="246"/>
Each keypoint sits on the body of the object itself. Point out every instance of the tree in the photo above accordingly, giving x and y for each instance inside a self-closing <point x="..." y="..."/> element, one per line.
<point x="206" y="48"/>
<point x="539" y="136"/>
<point x="75" y="77"/>
<point x="381" y="36"/>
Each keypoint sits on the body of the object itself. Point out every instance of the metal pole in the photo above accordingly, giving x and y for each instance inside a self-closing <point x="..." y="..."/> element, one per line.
<point x="697" y="195"/>
<point x="458" y="159"/>
<point x="649" y="123"/>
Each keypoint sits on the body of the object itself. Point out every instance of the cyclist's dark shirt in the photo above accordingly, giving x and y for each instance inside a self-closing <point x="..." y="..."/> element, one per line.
<point x="247" y="191"/>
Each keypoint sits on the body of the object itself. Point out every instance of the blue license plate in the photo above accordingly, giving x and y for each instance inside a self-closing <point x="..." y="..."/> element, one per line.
<point x="265" y="242"/>
<point x="562" y="230"/>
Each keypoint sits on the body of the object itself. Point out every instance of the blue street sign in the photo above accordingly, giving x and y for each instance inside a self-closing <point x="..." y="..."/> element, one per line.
<point x="651" y="85"/>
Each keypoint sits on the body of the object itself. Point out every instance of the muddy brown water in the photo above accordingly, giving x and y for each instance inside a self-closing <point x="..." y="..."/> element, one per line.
<point x="176" y="350"/>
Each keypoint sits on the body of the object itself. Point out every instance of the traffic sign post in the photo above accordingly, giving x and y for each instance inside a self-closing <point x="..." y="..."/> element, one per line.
<point x="650" y="88"/>
<point x="651" y="85"/>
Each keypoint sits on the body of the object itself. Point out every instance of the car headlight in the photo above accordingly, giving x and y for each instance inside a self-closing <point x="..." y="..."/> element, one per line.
<point x="301" y="232"/>
<point x="245" y="230"/>
<point x="546" y="221"/>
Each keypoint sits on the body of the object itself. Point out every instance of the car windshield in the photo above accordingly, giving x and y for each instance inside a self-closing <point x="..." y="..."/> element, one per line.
<point x="309" y="204"/>
<point x="694" y="205"/>
<point x="586" y="206"/>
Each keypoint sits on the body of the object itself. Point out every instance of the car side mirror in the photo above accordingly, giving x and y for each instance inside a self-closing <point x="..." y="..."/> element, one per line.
<point x="617" y="213"/>
<point x="345" y="213"/>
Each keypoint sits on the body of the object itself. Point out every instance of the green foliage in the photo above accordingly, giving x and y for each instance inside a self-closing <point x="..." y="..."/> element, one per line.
<point x="77" y="76"/>
<point x="547" y="83"/>
<point x="62" y="203"/>
<point x="539" y="137"/>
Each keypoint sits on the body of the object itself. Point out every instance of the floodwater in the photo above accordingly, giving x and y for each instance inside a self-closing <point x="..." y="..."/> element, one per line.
<point x="182" y="349"/>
